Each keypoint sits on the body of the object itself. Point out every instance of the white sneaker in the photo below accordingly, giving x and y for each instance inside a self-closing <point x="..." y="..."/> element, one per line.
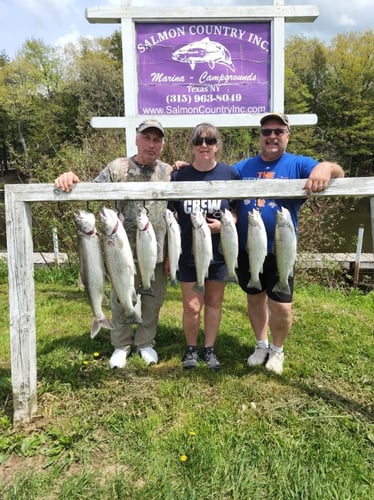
<point x="149" y="355"/>
<point x="275" y="362"/>
<point x="119" y="358"/>
<point x="259" y="356"/>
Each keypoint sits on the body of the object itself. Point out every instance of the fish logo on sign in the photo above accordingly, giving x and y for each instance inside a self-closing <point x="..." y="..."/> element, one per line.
<point x="204" y="51"/>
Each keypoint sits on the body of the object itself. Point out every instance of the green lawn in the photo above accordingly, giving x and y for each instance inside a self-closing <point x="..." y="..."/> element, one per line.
<point x="163" y="433"/>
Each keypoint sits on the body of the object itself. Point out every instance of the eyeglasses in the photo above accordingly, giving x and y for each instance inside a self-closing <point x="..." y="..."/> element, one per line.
<point x="209" y="141"/>
<point x="266" y="132"/>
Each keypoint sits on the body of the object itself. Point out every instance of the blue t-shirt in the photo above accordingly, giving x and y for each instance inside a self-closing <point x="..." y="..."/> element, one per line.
<point x="184" y="208"/>
<point x="288" y="166"/>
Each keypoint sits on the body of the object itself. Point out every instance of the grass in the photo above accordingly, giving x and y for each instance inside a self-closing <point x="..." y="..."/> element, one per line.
<point x="162" y="433"/>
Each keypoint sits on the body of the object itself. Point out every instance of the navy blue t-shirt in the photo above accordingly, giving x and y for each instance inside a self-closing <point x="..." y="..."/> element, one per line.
<point x="184" y="208"/>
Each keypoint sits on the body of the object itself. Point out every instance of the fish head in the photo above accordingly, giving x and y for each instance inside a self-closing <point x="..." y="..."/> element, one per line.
<point x="142" y="219"/>
<point x="226" y="216"/>
<point x="109" y="220"/>
<point x="283" y="218"/>
<point x="85" y="222"/>
<point x="197" y="218"/>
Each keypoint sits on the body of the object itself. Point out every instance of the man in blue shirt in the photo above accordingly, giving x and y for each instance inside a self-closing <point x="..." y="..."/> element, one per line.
<point x="268" y="309"/>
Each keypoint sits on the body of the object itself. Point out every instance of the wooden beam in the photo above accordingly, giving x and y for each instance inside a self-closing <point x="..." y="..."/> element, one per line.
<point x="275" y="188"/>
<point x="114" y="15"/>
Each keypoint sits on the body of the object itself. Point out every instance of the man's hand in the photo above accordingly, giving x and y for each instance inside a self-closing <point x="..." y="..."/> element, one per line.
<point x="66" y="181"/>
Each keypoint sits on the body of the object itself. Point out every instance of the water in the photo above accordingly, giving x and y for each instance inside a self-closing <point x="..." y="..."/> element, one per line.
<point x="348" y="227"/>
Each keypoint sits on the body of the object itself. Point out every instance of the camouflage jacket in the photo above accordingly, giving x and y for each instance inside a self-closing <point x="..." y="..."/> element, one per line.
<point x="127" y="170"/>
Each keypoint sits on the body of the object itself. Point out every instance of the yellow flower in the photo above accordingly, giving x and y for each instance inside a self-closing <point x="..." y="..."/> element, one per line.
<point x="192" y="433"/>
<point x="183" y="458"/>
<point x="85" y="362"/>
<point x="96" y="355"/>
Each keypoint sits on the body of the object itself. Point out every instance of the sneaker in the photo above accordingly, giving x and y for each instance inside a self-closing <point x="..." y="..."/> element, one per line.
<point x="275" y="362"/>
<point x="149" y="355"/>
<point x="191" y="358"/>
<point x="259" y="356"/>
<point x="211" y="359"/>
<point x="119" y="358"/>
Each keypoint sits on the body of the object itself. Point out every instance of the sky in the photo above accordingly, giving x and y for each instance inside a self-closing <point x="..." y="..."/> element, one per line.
<point x="57" y="22"/>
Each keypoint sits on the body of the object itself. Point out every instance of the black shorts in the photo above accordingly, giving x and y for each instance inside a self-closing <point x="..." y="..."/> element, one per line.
<point x="268" y="278"/>
<point x="217" y="272"/>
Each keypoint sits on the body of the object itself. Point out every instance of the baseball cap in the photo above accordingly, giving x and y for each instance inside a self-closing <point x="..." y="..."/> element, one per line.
<point x="150" y="124"/>
<point x="279" y="116"/>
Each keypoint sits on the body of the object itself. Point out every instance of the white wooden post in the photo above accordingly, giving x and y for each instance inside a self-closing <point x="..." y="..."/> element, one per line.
<point x="21" y="306"/>
<point x="372" y="220"/>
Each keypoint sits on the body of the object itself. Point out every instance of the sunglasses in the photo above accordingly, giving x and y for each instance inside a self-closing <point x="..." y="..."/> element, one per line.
<point x="209" y="141"/>
<point x="266" y="132"/>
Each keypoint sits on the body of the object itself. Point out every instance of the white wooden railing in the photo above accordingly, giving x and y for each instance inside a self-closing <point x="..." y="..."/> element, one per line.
<point x="18" y="204"/>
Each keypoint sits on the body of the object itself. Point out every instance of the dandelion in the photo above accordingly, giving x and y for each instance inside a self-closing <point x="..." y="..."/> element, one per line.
<point x="85" y="362"/>
<point x="192" y="433"/>
<point x="96" y="355"/>
<point x="183" y="458"/>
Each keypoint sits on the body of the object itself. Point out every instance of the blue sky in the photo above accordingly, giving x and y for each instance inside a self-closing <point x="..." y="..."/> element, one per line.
<point x="62" y="21"/>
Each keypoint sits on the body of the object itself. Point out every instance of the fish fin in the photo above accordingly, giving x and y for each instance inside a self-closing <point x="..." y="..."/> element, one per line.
<point x="134" y="297"/>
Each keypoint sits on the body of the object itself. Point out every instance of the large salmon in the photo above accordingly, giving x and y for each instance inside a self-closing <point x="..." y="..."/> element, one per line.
<point x="202" y="248"/>
<point x="146" y="251"/>
<point x="92" y="269"/>
<point x="174" y="244"/>
<point x="119" y="263"/>
<point x="285" y="249"/>
<point x="257" y="247"/>
<point x="230" y="244"/>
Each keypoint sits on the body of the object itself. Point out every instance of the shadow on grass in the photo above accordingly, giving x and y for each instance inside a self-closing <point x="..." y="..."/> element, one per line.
<point x="6" y="400"/>
<point x="71" y="359"/>
<point x="333" y="398"/>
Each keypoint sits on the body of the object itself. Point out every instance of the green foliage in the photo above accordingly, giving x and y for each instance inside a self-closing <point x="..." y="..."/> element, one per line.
<point x="47" y="100"/>
<point x="162" y="433"/>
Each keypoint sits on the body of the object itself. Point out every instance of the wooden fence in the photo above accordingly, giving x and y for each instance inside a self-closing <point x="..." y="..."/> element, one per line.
<point x="18" y="204"/>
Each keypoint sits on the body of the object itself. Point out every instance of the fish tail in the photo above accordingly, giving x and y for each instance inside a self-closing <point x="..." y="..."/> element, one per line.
<point x="146" y="291"/>
<point x="199" y="288"/>
<point x="282" y="288"/>
<point x="231" y="278"/>
<point x="98" y="324"/>
<point x="253" y="283"/>
<point x="132" y="319"/>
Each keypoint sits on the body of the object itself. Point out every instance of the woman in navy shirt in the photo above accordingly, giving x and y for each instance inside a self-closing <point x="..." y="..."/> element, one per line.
<point x="205" y="144"/>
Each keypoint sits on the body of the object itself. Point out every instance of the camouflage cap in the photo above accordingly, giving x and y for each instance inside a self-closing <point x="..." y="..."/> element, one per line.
<point x="150" y="124"/>
<point x="278" y="116"/>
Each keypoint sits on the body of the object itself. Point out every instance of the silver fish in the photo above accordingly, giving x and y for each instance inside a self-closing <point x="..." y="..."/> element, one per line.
<point x="257" y="243"/>
<point x="285" y="249"/>
<point x="119" y="263"/>
<point x="174" y="244"/>
<point x="146" y="251"/>
<point x="204" y="51"/>
<point x="92" y="269"/>
<point x="230" y="244"/>
<point x="202" y="248"/>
